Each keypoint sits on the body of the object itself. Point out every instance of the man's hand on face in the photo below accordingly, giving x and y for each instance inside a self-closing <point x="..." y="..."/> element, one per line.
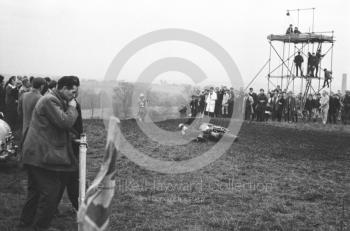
<point x="72" y="103"/>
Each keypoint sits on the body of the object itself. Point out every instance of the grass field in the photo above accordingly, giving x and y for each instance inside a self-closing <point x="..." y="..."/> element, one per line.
<point x="274" y="178"/>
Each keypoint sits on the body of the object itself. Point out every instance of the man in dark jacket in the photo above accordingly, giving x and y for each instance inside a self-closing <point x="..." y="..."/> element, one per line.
<point x="298" y="60"/>
<point x="318" y="56"/>
<point x="290" y="107"/>
<point x="274" y="106"/>
<point x="27" y="102"/>
<point x="311" y="62"/>
<point x="194" y="106"/>
<point x="261" y="106"/>
<point x="48" y="151"/>
<point x="334" y="107"/>
<point x="218" y="102"/>
<point x="70" y="180"/>
<point x="308" y="107"/>
<point x="346" y="108"/>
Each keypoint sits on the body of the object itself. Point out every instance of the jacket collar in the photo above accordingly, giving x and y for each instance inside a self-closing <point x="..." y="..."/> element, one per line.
<point x="58" y="95"/>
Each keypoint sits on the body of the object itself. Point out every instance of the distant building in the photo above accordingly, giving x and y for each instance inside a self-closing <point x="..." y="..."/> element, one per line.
<point x="344" y="83"/>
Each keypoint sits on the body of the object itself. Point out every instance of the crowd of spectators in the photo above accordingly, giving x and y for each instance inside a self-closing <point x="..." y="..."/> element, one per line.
<point x="11" y="92"/>
<point x="276" y="105"/>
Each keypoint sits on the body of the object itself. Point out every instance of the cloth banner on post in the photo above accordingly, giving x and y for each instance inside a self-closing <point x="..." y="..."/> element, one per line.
<point x="93" y="214"/>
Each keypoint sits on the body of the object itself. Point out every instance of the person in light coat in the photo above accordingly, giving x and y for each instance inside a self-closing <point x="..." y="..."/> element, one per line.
<point x="324" y="101"/>
<point x="210" y="100"/>
<point x="225" y="98"/>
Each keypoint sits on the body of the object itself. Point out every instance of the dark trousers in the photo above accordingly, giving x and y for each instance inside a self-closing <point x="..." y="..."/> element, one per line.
<point x="230" y="109"/>
<point x="279" y="115"/>
<point x="326" y="82"/>
<point x="260" y="113"/>
<point x="70" y="181"/>
<point x="332" y="117"/>
<point x="316" y="70"/>
<point x="40" y="207"/>
<point x="298" y="67"/>
<point x="289" y="115"/>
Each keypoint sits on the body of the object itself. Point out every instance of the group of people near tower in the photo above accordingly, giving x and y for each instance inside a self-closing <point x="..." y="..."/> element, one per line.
<point x="281" y="105"/>
<point x="276" y="105"/>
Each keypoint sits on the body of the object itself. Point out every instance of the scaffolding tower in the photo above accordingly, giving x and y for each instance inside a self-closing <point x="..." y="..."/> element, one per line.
<point x="285" y="70"/>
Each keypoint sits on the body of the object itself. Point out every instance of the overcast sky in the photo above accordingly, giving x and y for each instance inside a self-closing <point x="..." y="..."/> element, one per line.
<point x="60" y="37"/>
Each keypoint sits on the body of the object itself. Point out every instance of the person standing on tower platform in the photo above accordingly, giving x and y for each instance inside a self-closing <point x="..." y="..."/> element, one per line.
<point x="298" y="60"/>
<point x="318" y="58"/>
<point x="327" y="77"/>
<point x="310" y="64"/>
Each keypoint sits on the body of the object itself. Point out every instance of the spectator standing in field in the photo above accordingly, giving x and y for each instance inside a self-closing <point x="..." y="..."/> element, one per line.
<point x="308" y="107"/>
<point x="274" y="106"/>
<point x="31" y="80"/>
<point x="51" y="86"/>
<point x="225" y="102"/>
<point x="346" y="108"/>
<point x="28" y="101"/>
<point x="324" y="106"/>
<point x="334" y="107"/>
<point x="48" y="152"/>
<point x="2" y="94"/>
<point x="261" y="106"/>
<point x="201" y="103"/>
<point x="70" y="180"/>
<point x="142" y="107"/>
<point x="218" y="102"/>
<point x="11" y="101"/>
<point x="280" y="106"/>
<point x="255" y="98"/>
<point x="231" y="102"/>
<point x="24" y="88"/>
<point x="210" y="101"/>
<point x="248" y="107"/>
<point x="290" y="107"/>
<point x="48" y="80"/>
<point x="194" y="106"/>
<point x="298" y="60"/>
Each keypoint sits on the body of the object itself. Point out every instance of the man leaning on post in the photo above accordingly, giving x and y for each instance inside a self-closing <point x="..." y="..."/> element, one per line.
<point x="47" y="152"/>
